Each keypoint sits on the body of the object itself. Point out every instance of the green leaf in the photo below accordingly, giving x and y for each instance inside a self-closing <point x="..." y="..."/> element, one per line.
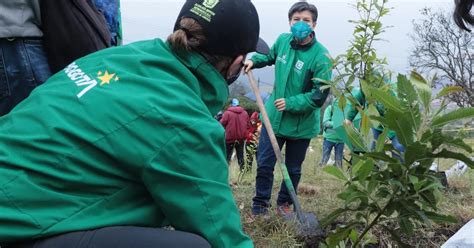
<point x="405" y="225"/>
<point x="355" y="138"/>
<point x="417" y="186"/>
<point x="414" y="152"/>
<point x="365" y="170"/>
<point x="396" y="237"/>
<point x="336" y="172"/>
<point x="341" y="233"/>
<point x="449" y="90"/>
<point x="333" y="216"/>
<point x="409" y="100"/>
<point x="342" y="102"/>
<point x="383" y="193"/>
<point x="353" y="235"/>
<point x="414" y="180"/>
<point x="373" y="112"/>
<point x="454" y="155"/>
<point x="381" y="156"/>
<point x="380" y="143"/>
<point x="418" y="78"/>
<point x="389" y="101"/>
<point x="406" y="90"/>
<point x="372" y="184"/>
<point x="458" y="143"/>
<point x="435" y="185"/>
<point x="357" y="166"/>
<point x="440" y="219"/>
<point x="365" y="124"/>
<point x="350" y="80"/>
<point x="399" y="123"/>
<point x="424" y="89"/>
<point x="455" y="115"/>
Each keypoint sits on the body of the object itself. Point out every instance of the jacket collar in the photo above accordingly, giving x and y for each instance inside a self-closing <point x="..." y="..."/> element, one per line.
<point x="305" y="47"/>
<point x="213" y="87"/>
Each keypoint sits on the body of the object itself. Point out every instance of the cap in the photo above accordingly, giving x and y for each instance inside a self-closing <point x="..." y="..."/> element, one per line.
<point x="231" y="27"/>
<point x="235" y="102"/>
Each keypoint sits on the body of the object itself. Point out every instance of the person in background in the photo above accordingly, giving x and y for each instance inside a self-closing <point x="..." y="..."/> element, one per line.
<point x="352" y="113"/>
<point x="301" y="62"/>
<point x="235" y="121"/>
<point x="251" y="143"/>
<point x="218" y="116"/>
<point x="73" y="29"/>
<point x="331" y="138"/>
<point x="110" y="9"/>
<point x="23" y="61"/>
<point x="122" y="143"/>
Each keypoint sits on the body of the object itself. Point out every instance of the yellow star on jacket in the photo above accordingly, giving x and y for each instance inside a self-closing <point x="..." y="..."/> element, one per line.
<point x="105" y="79"/>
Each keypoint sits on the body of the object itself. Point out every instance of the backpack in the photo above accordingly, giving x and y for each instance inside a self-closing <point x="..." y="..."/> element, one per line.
<point x="72" y="29"/>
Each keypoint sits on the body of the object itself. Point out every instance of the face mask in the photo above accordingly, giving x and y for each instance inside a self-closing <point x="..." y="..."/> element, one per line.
<point x="231" y="79"/>
<point x="301" y="30"/>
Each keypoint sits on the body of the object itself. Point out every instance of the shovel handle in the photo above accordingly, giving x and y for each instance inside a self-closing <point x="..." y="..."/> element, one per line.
<point x="276" y="147"/>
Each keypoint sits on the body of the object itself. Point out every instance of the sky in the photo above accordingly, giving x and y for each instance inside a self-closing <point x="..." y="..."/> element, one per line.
<point x="148" y="19"/>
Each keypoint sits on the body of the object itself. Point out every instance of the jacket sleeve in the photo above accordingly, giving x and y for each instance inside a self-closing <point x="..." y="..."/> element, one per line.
<point x="262" y="60"/>
<point x="315" y="97"/>
<point x="225" y="119"/>
<point x="327" y="120"/>
<point x="352" y="111"/>
<point x="188" y="179"/>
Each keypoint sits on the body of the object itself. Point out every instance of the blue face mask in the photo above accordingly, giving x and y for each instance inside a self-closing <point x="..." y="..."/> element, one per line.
<point x="301" y="30"/>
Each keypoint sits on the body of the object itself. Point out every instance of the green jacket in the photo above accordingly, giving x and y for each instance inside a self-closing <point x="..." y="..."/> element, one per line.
<point x="295" y="80"/>
<point x="124" y="136"/>
<point x="351" y="114"/>
<point x="329" y="131"/>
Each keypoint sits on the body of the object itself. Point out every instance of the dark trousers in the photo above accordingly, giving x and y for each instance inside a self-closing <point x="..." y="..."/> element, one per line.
<point x="23" y="66"/>
<point x="119" y="237"/>
<point x="266" y="159"/>
<point x="239" y="149"/>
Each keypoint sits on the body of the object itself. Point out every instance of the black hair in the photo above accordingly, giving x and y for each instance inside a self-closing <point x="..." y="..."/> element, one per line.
<point x="462" y="14"/>
<point x="302" y="6"/>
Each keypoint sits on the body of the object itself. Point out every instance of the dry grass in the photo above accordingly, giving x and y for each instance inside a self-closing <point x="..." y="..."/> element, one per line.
<point x="318" y="194"/>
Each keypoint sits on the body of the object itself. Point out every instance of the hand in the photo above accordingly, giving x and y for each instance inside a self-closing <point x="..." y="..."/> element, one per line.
<point x="280" y="104"/>
<point x="248" y="64"/>
<point x="347" y="122"/>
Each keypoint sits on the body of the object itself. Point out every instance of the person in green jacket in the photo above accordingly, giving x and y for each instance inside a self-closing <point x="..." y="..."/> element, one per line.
<point x="301" y="62"/>
<point x="377" y="131"/>
<point x="331" y="138"/>
<point x="122" y="142"/>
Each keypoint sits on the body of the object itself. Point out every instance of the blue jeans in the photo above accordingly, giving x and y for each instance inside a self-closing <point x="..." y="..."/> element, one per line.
<point x="395" y="143"/>
<point x="266" y="159"/>
<point x="23" y="66"/>
<point x="338" y="152"/>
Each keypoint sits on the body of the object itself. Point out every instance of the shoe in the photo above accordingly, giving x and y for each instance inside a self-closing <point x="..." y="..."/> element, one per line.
<point x="254" y="217"/>
<point x="284" y="210"/>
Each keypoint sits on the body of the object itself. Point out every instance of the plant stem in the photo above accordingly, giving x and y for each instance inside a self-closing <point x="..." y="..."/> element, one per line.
<point x="373" y="223"/>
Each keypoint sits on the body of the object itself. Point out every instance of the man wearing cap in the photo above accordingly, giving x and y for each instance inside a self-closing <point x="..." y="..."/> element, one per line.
<point x="301" y="63"/>
<point x="122" y="143"/>
<point x="235" y="121"/>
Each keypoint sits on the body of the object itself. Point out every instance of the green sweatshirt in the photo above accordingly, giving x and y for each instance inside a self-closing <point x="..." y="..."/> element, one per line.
<point x="359" y="96"/>
<point x="328" y="127"/>
<point x="124" y="136"/>
<point x="294" y="70"/>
